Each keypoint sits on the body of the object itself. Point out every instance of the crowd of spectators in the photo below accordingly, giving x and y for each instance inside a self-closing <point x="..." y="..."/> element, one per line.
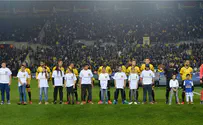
<point x="124" y="29"/>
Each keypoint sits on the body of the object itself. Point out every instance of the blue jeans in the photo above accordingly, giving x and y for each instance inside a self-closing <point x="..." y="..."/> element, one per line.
<point x="22" y="93"/>
<point x="45" y="90"/>
<point x="104" y="96"/>
<point x="3" y="88"/>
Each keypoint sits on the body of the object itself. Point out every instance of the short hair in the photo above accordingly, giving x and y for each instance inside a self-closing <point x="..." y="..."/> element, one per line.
<point x="3" y="62"/>
<point x="187" y="75"/>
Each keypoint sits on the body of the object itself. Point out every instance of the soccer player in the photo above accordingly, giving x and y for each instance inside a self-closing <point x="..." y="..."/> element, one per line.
<point x="43" y="78"/>
<point x="147" y="79"/>
<point x="183" y="72"/>
<point x="57" y="80"/>
<point x="70" y="81"/>
<point x="133" y="85"/>
<point x="22" y="82"/>
<point x="174" y="89"/>
<point x="188" y="88"/>
<point x="39" y="69"/>
<point x="137" y="70"/>
<point x="5" y="82"/>
<point x="75" y="71"/>
<point x="120" y="83"/>
<point x="147" y="61"/>
<point x="86" y="84"/>
<point x="201" y="82"/>
<point x="169" y="72"/>
<point x="109" y="71"/>
<point x="28" y="83"/>
<point x="103" y="79"/>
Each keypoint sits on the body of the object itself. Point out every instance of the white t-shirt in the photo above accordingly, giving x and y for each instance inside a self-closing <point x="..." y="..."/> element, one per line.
<point x="120" y="77"/>
<point x="23" y="76"/>
<point x="70" y="79"/>
<point x="103" y="78"/>
<point x="5" y="74"/>
<point x="43" y="81"/>
<point x="147" y="77"/>
<point x="174" y="83"/>
<point x="133" y="79"/>
<point x="86" y="76"/>
<point x="58" y="78"/>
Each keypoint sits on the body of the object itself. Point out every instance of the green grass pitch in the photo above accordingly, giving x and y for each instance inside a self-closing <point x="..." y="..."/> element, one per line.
<point x="157" y="114"/>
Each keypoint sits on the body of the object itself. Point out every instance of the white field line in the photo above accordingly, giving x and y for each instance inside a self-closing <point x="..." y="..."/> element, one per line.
<point x="197" y="93"/>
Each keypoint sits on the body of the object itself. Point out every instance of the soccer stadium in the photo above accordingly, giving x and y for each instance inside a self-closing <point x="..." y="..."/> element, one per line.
<point x="112" y="62"/>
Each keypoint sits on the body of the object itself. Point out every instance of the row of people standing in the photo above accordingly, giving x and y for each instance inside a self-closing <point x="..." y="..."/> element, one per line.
<point x="86" y="82"/>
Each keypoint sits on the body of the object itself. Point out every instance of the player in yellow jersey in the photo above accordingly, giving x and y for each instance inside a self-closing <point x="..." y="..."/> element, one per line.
<point x="137" y="70"/>
<point x="60" y="65"/>
<point x="147" y="61"/>
<point x="28" y="84"/>
<point x="40" y="69"/>
<point x="75" y="71"/>
<point x="186" y="69"/>
<point x="109" y="71"/>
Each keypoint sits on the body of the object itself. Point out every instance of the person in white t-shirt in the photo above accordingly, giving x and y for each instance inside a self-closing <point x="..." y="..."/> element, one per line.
<point x="43" y="85"/>
<point x="70" y="82"/>
<point x="57" y="80"/>
<point x="133" y="80"/>
<point x="22" y="82"/>
<point x="120" y="83"/>
<point x="5" y="82"/>
<point x="147" y="78"/>
<point x="173" y="84"/>
<point x="86" y="84"/>
<point x="103" y="79"/>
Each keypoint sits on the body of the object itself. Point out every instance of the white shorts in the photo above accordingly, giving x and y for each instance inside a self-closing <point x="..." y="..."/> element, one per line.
<point x="189" y="94"/>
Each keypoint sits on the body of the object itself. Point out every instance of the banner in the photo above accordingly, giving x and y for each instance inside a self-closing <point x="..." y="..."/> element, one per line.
<point x="146" y="40"/>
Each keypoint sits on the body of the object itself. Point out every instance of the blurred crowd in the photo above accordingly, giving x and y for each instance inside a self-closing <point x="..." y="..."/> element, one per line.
<point x="125" y="29"/>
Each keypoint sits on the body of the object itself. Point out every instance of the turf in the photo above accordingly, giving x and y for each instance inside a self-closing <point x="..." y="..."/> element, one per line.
<point x="157" y="114"/>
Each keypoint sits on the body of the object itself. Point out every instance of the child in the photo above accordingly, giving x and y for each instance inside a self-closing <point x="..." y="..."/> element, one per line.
<point x="103" y="78"/>
<point x="70" y="81"/>
<point x="120" y="83"/>
<point x="57" y="79"/>
<point x="133" y="85"/>
<point x="173" y="84"/>
<point x="188" y="88"/>
<point x="43" y="85"/>
<point x="22" y="82"/>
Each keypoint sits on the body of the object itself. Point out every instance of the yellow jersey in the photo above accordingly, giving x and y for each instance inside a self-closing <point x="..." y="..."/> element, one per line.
<point x="137" y="70"/>
<point x="39" y="69"/>
<point x="124" y="69"/>
<point x="108" y="70"/>
<point x="150" y="66"/>
<point x="62" y="69"/>
<point x="184" y="71"/>
<point x="75" y="71"/>
<point x="29" y="73"/>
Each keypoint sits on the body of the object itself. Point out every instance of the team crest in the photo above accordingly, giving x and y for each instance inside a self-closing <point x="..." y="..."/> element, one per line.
<point x="121" y="76"/>
<point x="105" y="76"/>
<point x="89" y="74"/>
<point x="150" y="74"/>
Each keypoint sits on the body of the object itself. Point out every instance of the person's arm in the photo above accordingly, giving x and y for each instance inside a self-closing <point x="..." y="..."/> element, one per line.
<point x="20" y="81"/>
<point x="10" y="77"/>
<point x="124" y="83"/>
<point x="38" y="83"/>
<point x="184" y="86"/>
<point x="192" y="87"/>
<point x="114" y="83"/>
<point x="201" y="73"/>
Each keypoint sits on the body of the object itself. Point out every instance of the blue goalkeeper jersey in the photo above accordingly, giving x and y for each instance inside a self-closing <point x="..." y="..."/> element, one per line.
<point x="188" y="85"/>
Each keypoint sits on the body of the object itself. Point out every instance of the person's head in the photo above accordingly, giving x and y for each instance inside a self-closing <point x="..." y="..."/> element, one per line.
<point x="104" y="65"/>
<point x="134" y="63"/>
<point x="44" y="68"/>
<point x="173" y="76"/>
<point x="120" y="69"/>
<point x="24" y="63"/>
<point x="60" y="63"/>
<point x="3" y="64"/>
<point x="86" y="67"/>
<point x="147" y="67"/>
<point x="103" y="69"/>
<point x="171" y="64"/>
<point x="69" y="70"/>
<point x="147" y="61"/>
<point x="23" y="68"/>
<point x="188" y="76"/>
<point x="187" y="63"/>
<point x="42" y="63"/>
<point x="72" y="65"/>
<point x="133" y="70"/>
